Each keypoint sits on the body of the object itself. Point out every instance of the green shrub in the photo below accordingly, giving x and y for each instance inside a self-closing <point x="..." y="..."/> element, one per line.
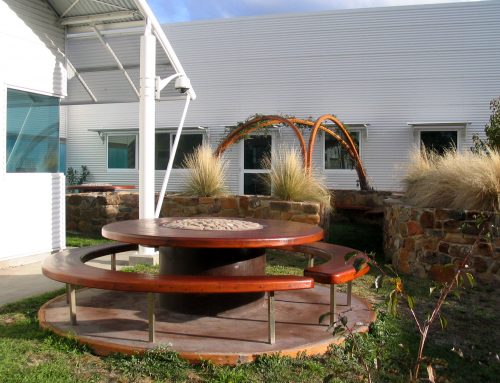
<point x="77" y="178"/>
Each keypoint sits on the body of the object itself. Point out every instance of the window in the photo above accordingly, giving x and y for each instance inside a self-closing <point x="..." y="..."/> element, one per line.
<point x="32" y="133"/>
<point x="164" y="141"/>
<point x="255" y="149"/>
<point x="439" y="136"/>
<point x="439" y="141"/>
<point x="336" y="157"/>
<point x="122" y="151"/>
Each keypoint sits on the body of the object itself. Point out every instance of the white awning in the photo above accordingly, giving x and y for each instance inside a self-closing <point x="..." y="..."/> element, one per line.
<point x="100" y="18"/>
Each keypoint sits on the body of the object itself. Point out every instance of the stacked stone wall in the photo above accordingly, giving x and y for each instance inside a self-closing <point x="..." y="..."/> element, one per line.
<point x="89" y="212"/>
<point x="426" y="241"/>
<point x="356" y="199"/>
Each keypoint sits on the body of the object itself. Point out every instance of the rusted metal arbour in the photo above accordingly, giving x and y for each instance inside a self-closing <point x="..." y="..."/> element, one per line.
<point x="259" y="123"/>
<point x="307" y="153"/>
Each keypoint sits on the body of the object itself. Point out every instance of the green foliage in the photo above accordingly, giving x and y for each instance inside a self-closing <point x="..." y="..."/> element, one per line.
<point x="492" y="130"/>
<point x="289" y="181"/>
<point x="80" y="240"/>
<point x="142" y="268"/>
<point x="77" y="178"/>
<point x="207" y="174"/>
<point x="161" y="364"/>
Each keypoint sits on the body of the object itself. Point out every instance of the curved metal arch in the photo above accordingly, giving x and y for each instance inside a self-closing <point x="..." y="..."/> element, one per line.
<point x="264" y="121"/>
<point x="352" y="150"/>
<point x="342" y="142"/>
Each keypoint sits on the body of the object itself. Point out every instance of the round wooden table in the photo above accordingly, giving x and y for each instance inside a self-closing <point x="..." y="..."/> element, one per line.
<point x="211" y="252"/>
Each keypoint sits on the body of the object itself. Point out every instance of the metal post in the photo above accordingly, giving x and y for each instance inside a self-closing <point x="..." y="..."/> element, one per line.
<point x="171" y="159"/>
<point x="333" y="305"/>
<point x="310" y="260"/>
<point x="151" y="317"/>
<point x="67" y="293"/>
<point x="147" y="129"/>
<point x="271" y="318"/>
<point x="72" y="304"/>
<point x="349" y="293"/>
<point x="113" y="262"/>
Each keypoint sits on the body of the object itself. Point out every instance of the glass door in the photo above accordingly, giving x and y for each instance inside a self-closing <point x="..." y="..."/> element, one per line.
<point x="255" y="149"/>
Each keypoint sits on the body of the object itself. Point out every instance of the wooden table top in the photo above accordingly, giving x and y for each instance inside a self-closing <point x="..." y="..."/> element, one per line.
<point x="275" y="233"/>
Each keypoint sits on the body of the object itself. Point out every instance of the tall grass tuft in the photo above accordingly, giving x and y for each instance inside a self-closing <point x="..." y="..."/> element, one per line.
<point x="455" y="180"/>
<point x="290" y="182"/>
<point x="207" y="173"/>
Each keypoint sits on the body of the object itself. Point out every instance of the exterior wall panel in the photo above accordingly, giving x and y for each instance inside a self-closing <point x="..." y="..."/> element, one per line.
<point x="32" y="204"/>
<point x="382" y="66"/>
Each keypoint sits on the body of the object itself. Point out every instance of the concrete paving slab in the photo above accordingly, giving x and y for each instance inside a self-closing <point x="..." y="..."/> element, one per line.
<point x="27" y="281"/>
<point x="116" y="321"/>
<point x="24" y="281"/>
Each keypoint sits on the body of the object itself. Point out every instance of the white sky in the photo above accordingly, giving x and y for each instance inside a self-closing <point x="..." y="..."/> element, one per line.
<point x="187" y="10"/>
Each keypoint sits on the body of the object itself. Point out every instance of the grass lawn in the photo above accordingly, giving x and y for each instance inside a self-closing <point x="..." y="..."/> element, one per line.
<point x="465" y="352"/>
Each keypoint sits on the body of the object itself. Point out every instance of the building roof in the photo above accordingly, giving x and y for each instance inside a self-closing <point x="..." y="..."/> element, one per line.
<point x="96" y="19"/>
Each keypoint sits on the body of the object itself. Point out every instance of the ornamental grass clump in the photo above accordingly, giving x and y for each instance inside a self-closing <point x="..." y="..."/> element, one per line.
<point x="289" y="180"/>
<point x="455" y="180"/>
<point x="207" y="173"/>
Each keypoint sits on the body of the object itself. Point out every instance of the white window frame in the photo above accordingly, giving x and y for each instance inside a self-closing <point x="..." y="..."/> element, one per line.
<point x="108" y="169"/>
<point x="241" y="170"/>
<point x="460" y="127"/>
<point x="362" y="137"/>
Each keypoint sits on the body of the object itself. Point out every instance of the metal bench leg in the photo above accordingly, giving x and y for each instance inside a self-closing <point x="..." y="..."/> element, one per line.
<point x="349" y="293"/>
<point x="113" y="262"/>
<point x="333" y="304"/>
<point x="310" y="260"/>
<point x="151" y="317"/>
<point x="271" y="318"/>
<point x="72" y="304"/>
<point x="67" y="293"/>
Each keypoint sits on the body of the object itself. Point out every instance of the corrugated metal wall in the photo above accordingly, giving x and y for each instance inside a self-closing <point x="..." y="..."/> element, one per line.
<point x="29" y="37"/>
<point x="32" y="205"/>
<point x="380" y="66"/>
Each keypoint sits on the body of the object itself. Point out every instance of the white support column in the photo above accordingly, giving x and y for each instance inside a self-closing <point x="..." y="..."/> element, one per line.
<point x="147" y="129"/>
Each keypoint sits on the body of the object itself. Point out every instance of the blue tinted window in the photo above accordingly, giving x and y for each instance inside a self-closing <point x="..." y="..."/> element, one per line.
<point x="62" y="155"/>
<point x="121" y="151"/>
<point x="32" y="133"/>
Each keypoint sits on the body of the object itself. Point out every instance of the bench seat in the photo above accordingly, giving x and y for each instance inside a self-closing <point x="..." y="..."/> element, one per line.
<point x="69" y="266"/>
<point x="335" y="270"/>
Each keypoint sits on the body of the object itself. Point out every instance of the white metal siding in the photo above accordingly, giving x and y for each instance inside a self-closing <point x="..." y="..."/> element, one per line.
<point x="28" y="34"/>
<point x="32" y="205"/>
<point x="381" y="66"/>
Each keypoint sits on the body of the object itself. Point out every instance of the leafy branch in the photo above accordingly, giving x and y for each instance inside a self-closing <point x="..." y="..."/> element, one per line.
<point x="398" y="293"/>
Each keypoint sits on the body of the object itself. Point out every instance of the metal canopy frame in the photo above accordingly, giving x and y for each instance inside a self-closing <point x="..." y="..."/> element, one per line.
<point x="98" y="17"/>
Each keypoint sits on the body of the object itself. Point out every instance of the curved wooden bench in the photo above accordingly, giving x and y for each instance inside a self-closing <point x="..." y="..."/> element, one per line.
<point x="69" y="266"/>
<point x="335" y="270"/>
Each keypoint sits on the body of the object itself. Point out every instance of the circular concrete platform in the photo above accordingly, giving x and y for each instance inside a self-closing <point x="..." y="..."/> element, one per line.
<point x="113" y="321"/>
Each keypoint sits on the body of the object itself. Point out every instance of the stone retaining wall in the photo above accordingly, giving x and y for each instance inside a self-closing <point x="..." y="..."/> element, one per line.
<point x="89" y="212"/>
<point x="356" y="199"/>
<point x="422" y="241"/>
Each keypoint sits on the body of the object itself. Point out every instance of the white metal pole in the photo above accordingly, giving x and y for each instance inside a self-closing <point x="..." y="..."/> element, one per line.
<point x="147" y="129"/>
<point x="171" y="159"/>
